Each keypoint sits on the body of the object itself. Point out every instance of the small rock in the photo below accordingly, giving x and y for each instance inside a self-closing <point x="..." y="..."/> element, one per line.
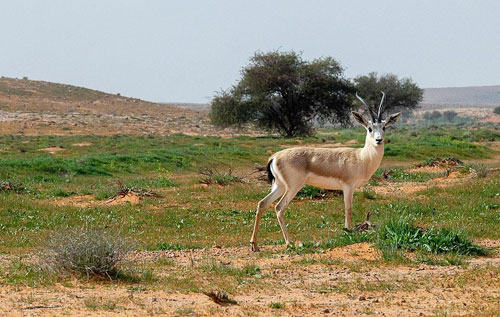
<point x="326" y="311"/>
<point x="362" y="298"/>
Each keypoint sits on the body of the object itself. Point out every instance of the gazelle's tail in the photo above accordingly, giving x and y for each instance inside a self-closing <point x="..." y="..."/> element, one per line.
<point x="270" y="176"/>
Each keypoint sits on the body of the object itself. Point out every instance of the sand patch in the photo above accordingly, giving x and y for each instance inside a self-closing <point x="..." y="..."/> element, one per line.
<point x="89" y="201"/>
<point x="123" y="199"/>
<point x="428" y="169"/>
<point x="52" y="150"/>
<point x="82" y="144"/>
<point x="77" y="201"/>
<point x="358" y="251"/>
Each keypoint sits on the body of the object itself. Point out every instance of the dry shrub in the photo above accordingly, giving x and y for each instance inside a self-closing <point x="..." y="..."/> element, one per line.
<point x="480" y="170"/>
<point x="211" y="176"/>
<point x="16" y="187"/>
<point x="88" y="251"/>
<point x="446" y="162"/>
<point x="141" y="192"/>
<point x="220" y="297"/>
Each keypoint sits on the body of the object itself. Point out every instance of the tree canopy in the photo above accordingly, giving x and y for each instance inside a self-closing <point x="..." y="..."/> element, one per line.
<point x="283" y="93"/>
<point x="400" y="94"/>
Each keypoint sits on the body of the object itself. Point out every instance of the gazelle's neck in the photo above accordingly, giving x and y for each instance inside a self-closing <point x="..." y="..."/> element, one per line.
<point x="372" y="155"/>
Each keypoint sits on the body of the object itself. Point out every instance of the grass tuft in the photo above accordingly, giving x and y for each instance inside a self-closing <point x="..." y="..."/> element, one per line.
<point x="276" y="305"/>
<point x="214" y="177"/>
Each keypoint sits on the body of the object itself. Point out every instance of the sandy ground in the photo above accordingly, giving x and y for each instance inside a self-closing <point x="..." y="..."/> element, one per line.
<point x="303" y="290"/>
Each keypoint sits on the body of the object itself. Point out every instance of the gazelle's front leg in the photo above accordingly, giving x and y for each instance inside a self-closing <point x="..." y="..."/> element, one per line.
<point x="348" y="192"/>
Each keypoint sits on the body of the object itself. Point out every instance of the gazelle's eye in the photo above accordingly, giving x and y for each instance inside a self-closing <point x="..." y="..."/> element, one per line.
<point x="370" y="130"/>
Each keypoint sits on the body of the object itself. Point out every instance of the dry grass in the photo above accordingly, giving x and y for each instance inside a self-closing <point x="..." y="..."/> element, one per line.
<point x="87" y="251"/>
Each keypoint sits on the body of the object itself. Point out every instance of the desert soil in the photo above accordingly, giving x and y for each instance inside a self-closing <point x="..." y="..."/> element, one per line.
<point x="351" y="281"/>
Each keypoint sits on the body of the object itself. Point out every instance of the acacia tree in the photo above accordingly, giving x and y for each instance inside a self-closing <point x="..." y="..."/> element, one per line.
<point x="400" y="94"/>
<point x="281" y="92"/>
<point x="450" y="115"/>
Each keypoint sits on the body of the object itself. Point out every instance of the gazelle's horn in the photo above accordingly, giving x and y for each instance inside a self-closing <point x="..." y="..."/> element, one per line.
<point x="372" y="113"/>
<point x="379" y="115"/>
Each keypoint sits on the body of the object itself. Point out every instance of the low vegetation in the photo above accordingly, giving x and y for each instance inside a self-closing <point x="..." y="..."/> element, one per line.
<point x="211" y="176"/>
<point x="168" y="166"/>
<point x="87" y="251"/>
<point x="190" y="238"/>
<point x="401" y="233"/>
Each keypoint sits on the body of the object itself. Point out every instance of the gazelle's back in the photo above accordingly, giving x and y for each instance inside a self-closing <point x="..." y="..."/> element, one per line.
<point x="339" y="163"/>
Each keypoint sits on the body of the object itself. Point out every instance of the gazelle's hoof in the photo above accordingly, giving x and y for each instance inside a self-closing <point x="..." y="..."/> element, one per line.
<point x="254" y="247"/>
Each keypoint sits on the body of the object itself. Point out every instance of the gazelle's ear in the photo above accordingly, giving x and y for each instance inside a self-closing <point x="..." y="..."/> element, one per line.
<point x="392" y="118"/>
<point x="359" y="118"/>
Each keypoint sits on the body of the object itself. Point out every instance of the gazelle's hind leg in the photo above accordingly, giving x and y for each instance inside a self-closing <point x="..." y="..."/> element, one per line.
<point x="276" y="192"/>
<point x="280" y="210"/>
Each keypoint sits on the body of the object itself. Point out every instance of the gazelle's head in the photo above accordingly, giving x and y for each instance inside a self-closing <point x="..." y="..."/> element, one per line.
<point x="375" y="128"/>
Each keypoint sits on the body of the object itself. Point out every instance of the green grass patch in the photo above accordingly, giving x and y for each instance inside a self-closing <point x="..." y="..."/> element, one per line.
<point x="401" y="233"/>
<point x="312" y="192"/>
<point x="19" y="273"/>
<point x="276" y="305"/>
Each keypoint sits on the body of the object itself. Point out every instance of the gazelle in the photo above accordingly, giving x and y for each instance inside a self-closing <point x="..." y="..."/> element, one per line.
<point x="339" y="168"/>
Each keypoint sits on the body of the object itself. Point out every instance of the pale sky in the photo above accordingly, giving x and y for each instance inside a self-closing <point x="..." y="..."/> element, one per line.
<point x="185" y="51"/>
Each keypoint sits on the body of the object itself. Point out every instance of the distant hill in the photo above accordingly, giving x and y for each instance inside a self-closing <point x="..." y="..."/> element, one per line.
<point x="30" y="107"/>
<point x="477" y="96"/>
<point x="203" y="107"/>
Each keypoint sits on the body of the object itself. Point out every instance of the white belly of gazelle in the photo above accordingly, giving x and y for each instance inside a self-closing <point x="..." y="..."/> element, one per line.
<point x="323" y="182"/>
